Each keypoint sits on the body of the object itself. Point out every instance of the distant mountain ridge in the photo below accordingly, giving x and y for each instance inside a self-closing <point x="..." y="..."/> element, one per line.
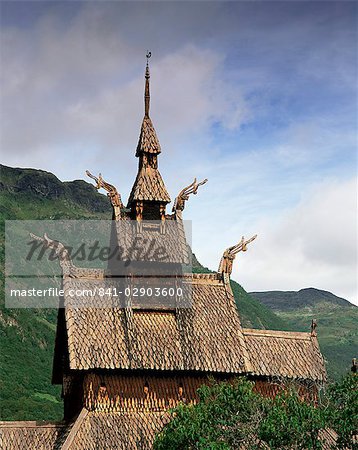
<point x="287" y="300"/>
<point x="23" y="190"/>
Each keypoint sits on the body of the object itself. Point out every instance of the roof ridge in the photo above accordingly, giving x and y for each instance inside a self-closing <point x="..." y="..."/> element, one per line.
<point x="75" y="427"/>
<point x="31" y="424"/>
<point x="210" y="276"/>
<point x="278" y="333"/>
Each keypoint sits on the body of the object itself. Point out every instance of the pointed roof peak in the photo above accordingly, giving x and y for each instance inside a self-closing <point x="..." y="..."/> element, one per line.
<point x="148" y="140"/>
<point x="146" y="92"/>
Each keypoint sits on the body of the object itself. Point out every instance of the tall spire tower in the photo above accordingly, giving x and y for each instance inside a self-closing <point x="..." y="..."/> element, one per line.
<point x="147" y="92"/>
<point x="149" y="195"/>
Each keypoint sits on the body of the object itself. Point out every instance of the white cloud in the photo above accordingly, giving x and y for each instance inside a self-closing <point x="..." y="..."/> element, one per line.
<point x="312" y="245"/>
<point x="73" y="86"/>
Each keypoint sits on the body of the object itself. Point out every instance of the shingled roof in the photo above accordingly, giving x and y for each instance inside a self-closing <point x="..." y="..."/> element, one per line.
<point x="123" y="431"/>
<point x="148" y="141"/>
<point x="95" y="430"/>
<point x="168" y="241"/>
<point x="285" y="354"/>
<point x="206" y="337"/>
<point x="149" y="186"/>
<point x="33" y="435"/>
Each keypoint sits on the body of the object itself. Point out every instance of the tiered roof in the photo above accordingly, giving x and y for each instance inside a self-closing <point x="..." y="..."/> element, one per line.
<point x="207" y="337"/>
<point x="202" y="339"/>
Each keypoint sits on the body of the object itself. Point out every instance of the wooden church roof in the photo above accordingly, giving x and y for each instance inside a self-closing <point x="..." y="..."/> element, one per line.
<point x="99" y="430"/>
<point x="206" y="337"/>
<point x="285" y="354"/>
<point x="32" y="435"/>
<point x="95" y="430"/>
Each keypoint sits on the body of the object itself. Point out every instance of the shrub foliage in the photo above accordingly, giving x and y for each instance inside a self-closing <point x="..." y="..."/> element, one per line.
<point x="233" y="416"/>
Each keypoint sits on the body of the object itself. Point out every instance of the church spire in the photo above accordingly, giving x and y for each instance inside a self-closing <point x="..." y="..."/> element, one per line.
<point x="149" y="195"/>
<point x="146" y="92"/>
<point x="148" y="143"/>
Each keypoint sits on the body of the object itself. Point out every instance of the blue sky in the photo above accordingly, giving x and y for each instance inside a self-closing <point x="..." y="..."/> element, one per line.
<point x="258" y="97"/>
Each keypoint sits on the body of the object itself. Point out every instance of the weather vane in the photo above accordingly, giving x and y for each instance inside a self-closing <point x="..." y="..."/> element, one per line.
<point x="148" y="55"/>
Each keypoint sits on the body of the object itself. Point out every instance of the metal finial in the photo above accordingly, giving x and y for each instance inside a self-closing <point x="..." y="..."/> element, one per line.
<point x="146" y="92"/>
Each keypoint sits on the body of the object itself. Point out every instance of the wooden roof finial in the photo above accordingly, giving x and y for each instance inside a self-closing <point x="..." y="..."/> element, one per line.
<point x="314" y="327"/>
<point x="230" y="254"/>
<point x="179" y="202"/>
<point x="112" y="193"/>
<point x="146" y="92"/>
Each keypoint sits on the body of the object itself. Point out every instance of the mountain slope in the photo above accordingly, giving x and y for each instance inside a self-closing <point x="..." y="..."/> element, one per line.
<point x="27" y="336"/>
<point x="292" y="300"/>
<point x="337" y="322"/>
<point x="31" y="194"/>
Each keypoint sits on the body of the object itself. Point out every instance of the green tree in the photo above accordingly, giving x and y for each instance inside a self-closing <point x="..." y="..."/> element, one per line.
<point x="292" y="423"/>
<point x="343" y="410"/>
<point x="230" y="416"/>
<point x="226" y="415"/>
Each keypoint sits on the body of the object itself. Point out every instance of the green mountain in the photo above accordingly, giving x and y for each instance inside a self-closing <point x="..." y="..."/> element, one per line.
<point x="27" y="335"/>
<point x="31" y="194"/>
<point x="304" y="298"/>
<point x="337" y="322"/>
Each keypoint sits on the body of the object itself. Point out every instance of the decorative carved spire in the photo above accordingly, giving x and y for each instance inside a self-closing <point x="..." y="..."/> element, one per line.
<point x="148" y="143"/>
<point x="146" y="92"/>
<point x="230" y="254"/>
<point x="149" y="185"/>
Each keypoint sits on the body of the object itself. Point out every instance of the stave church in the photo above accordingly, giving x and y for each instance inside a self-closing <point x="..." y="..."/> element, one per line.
<point x="123" y="365"/>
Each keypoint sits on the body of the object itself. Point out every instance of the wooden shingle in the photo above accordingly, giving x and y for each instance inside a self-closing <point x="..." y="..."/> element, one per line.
<point x="205" y="337"/>
<point x="32" y="435"/>
<point x="149" y="186"/>
<point x="285" y="354"/>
